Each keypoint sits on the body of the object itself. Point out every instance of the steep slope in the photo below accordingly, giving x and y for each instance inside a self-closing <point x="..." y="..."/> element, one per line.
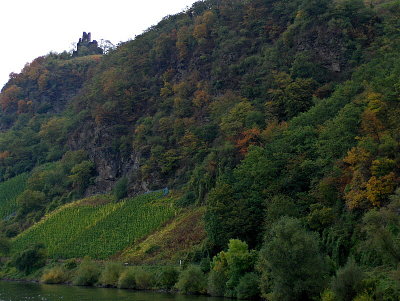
<point x="276" y="120"/>
<point x="175" y="241"/>
<point x="171" y="106"/>
<point x="96" y="226"/>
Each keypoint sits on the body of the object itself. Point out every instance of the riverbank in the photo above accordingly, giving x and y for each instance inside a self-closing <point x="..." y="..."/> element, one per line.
<point x="204" y="278"/>
<point x="88" y="273"/>
<point x="17" y="291"/>
<point x="69" y="284"/>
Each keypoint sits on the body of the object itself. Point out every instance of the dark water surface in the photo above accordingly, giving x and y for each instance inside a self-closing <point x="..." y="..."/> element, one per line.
<point x="18" y="291"/>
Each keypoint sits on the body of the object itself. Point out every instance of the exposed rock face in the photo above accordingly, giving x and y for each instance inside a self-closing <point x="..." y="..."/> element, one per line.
<point x="110" y="164"/>
<point x="86" y="46"/>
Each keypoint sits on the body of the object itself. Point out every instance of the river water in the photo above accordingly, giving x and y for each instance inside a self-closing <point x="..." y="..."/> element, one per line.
<point x="20" y="291"/>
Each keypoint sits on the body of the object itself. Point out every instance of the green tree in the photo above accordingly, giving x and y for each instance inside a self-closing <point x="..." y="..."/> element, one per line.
<point x="234" y="264"/>
<point x="290" y="97"/>
<point x="248" y="287"/>
<point x="290" y="262"/>
<point x="121" y="188"/>
<point x="5" y="245"/>
<point x="348" y="282"/>
<point x="30" y="259"/>
<point x="192" y="281"/>
<point x="235" y="207"/>
<point x="382" y="228"/>
<point x="30" y="200"/>
<point x="81" y="175"/>
<point x="88" y="273"/>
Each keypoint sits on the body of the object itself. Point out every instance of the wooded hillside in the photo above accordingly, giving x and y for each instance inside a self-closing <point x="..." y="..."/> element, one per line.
<point x="279" y="117"/>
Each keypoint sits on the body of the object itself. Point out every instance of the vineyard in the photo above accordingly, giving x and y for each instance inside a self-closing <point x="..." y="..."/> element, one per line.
<point x="9" y="190"/>
<point x="97" y="229"/>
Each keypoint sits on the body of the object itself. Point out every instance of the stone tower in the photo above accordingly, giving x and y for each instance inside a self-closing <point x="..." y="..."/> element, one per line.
<point x="86" y="46"/>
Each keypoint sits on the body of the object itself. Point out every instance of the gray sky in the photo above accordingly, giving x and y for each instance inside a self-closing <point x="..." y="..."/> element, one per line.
<point x="29" y="29"/>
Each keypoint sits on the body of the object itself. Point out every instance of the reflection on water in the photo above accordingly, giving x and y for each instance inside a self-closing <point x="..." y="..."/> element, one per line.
<point x="18" y="291"/>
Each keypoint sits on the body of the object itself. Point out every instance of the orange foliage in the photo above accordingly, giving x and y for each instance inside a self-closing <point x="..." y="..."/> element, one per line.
<point x="273" y="128"/>
<point x="371" y="176"/>
<point x="200" y="31"/>
<point x="208" y="17"/>
<point x="182" y="41"/>
<point x="110" y="82"/>
<point x="22" y="107"/>
<point x="203" y="25"/>
<point x="371" y="119"/>
<point x="4" y="155"/>
<point x="10" y="96"/>
<point x="189" y="143"/>
<point x="247" y="138"/>
<point x="42" y="80"/>
<point x="166" y="91"/>
<point x="34" y="69"/>
<point x="371" y="125"/>
<point x="201" y="98"/>
<point x="379" y="188"/>
<point x="357" y="156"/>
<point x="182" y="89"/>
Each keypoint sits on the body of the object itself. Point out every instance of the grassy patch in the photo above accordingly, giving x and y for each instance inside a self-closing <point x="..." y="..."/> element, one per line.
<point x="171" y="242"/>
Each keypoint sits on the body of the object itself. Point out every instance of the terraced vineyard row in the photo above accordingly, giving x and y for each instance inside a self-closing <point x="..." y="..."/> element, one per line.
<point x="9" y="190"/>
<point x="80" y="229"/>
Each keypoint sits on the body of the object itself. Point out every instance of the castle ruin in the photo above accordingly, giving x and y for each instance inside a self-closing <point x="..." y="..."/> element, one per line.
<point x="86" y="46"/>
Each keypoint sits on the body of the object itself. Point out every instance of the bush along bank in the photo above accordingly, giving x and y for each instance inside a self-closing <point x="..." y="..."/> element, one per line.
<point x="233" y="267"/>
<point x="237" y="272"/>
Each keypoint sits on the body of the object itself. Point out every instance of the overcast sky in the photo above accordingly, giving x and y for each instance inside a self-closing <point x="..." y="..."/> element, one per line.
<point x="29" y="29"/>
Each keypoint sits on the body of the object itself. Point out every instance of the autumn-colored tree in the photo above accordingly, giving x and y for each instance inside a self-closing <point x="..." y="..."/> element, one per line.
<point x="373" y="176"/>
<point x="203" y="25"/>
<point x="234" y="121"/>
<point x="183" y="40"/>
<point x="9" y="98"/>
<point x="247" y="138"/>
<point x="371" y="123"/>
<point x="289" y="97"/>
<point x="54" y="130"/>
<point x="189" y="143"/>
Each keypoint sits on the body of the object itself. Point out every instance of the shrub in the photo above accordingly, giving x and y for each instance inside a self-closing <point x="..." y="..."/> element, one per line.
<point x="87" y="274"/>
<point x="216" y="283"/>
<point x="57" y="274"/>
<point x="192" y="281"/>
<point x="168" y="277"/>
<point x="363" y="297"/>
<point x="233" y="264"/>
<point x="110" y="274"/>
<point x="290" y="262"/>
<point x="120" y="190"/>
<point x="30" y="259"/>
<point x="327" y="295"/>
<point x="4" y="245"/>
<point x="127" y="279"/>
<point x="70" y="264"/>
<point x="30" y="200"/>
<point x="348" y="282"/>
<point x="382" y="284"/>
<point x="144" y="279"/>
<point x="188" y="199"/>
<point x="248" y="287"/>
<point x="205" y="264"/>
